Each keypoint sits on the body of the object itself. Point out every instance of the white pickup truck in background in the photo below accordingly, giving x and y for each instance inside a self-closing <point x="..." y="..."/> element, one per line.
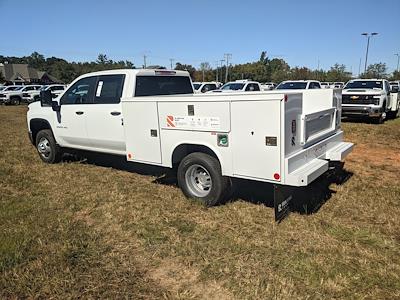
<point x="153" y="117"/>
<point x="56" y="89"/>
<point x="239" y="86"/>
<point x="366" y="98"/>
<point x="204" y="87"/>
<point x="299" y="85"/>
<point x="14" y="94"/>
<point x="394" y="99"/>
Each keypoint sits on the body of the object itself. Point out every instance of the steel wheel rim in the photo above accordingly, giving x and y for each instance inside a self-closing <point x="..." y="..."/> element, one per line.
<point x="198" y="180"/>
<point x="44" y="147"/>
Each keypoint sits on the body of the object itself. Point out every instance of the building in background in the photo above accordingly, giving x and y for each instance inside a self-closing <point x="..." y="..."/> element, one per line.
<point x="23" y="74"/>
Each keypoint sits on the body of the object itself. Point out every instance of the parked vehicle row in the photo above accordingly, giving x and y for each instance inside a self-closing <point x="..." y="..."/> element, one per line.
<point x="16" y="94"/>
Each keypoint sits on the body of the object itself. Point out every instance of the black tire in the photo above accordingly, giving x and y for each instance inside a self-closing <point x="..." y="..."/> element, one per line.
<point x="15" y="100"/>
<point x="47" y="147"/>
<point x="197" y="161"/>
<point x="378" y="120"/>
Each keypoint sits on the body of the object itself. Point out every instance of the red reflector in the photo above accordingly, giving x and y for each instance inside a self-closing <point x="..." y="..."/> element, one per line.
<point x="286" y="97"/>
<point x="277" y="176"/>
<point x="129" y="155"/>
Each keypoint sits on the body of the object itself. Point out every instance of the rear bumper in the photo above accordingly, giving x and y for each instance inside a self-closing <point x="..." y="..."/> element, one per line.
<point x="305" y="166"/>
<point x="361" y="111"/>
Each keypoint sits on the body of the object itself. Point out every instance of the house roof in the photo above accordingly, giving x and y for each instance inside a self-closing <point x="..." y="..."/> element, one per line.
<point x="24" y="73"/>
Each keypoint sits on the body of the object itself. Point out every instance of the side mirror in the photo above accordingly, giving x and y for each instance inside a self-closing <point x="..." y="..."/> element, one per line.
<point x="55" y="106"/>
<point x="46" y="98"/>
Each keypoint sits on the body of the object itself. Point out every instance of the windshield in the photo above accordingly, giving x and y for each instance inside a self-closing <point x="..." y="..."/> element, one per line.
<point x="13" y="88"/>
<point x="196" y="86"/>
<point x="324" y="83"/>
<point x="233" y="86"/>
<point x="361" y="84"/>
<point x="2" y="88"/>
<point x="292" y="86"/>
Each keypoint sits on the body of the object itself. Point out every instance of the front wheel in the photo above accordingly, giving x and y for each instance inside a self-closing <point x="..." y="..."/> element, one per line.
<point x="47" y="147"/>
<point x="200" y="178"/>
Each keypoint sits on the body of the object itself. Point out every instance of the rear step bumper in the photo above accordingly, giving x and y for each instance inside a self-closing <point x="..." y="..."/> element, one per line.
<point x="308" y="164"/>
<point x="339" y="152"/>
<point x="308" y="173"/>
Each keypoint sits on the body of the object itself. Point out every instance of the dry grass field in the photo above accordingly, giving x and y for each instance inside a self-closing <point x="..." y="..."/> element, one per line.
<point x="86" y="229"/>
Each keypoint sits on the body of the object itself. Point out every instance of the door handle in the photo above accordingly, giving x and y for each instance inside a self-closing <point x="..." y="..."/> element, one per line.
<point x="115" y="113"/>
<point x="79" y="112"/>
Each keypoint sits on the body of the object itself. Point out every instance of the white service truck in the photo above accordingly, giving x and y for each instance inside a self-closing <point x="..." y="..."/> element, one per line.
<point x="153" y="117"/>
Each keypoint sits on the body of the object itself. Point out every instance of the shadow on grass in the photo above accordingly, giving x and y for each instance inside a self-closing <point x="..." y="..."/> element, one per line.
<point x="306" y="200"/>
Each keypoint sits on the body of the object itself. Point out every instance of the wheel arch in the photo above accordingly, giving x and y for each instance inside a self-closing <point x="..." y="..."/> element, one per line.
<point x="184" y="149"/>
<point x="36" y="125"/>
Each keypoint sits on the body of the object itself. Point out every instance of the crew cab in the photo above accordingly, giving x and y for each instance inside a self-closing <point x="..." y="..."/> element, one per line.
<point x="204" y="87"/>
<point x="299" y="85"/>
<point x="366" y="98"/>
<point x="11" y="94"/>
<point x="239" y="86"/>
<point x="153" y="117"/>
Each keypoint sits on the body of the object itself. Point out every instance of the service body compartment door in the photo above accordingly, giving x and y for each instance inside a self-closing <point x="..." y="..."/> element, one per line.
<point x="256" y="139"/>
<point x="142" y="131"/>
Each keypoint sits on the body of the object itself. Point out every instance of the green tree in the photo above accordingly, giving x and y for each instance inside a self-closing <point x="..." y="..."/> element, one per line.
<point x="337" y="73"/>
<point x="378" y="70"/>
<point x="184" y="67"/>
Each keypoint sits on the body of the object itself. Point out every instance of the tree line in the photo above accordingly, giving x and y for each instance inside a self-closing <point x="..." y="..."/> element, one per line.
<point x="263" y="70"/>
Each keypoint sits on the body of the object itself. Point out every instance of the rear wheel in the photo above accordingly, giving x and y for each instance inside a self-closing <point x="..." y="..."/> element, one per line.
<point x="200" y="178"/>
<point x="47" y="147"/>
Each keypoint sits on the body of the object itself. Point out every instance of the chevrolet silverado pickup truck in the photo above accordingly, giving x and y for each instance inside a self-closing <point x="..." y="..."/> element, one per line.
<point x="366" y="98"/>
<point x="153" y="117"/>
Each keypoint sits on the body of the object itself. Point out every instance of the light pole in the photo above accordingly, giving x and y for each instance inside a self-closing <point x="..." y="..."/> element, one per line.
<point x="368" y="35"/>
<point x="398" y="59"/>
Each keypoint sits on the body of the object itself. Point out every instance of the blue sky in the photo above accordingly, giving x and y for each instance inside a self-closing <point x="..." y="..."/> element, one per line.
<point x="301" y="32"/>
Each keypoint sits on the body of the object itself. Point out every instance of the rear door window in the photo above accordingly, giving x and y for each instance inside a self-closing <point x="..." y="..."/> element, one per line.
<point x="109" y="89"/>
<point x="162" y="85"/>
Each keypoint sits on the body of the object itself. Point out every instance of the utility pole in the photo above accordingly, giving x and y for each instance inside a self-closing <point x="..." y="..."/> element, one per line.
<point x="398" y="59"/>
<point x="359" y="69"/>
<point x="222" y="63"/>
<point x="368" y="35"/>
<point x="144" y="61"/>
<point x="216" y="72"/>
<point x="172" y="62"/>
<point x="227" y="57"/>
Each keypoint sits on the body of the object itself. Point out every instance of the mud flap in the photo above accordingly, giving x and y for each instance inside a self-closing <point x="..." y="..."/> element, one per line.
<point x="283" y="195"/>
